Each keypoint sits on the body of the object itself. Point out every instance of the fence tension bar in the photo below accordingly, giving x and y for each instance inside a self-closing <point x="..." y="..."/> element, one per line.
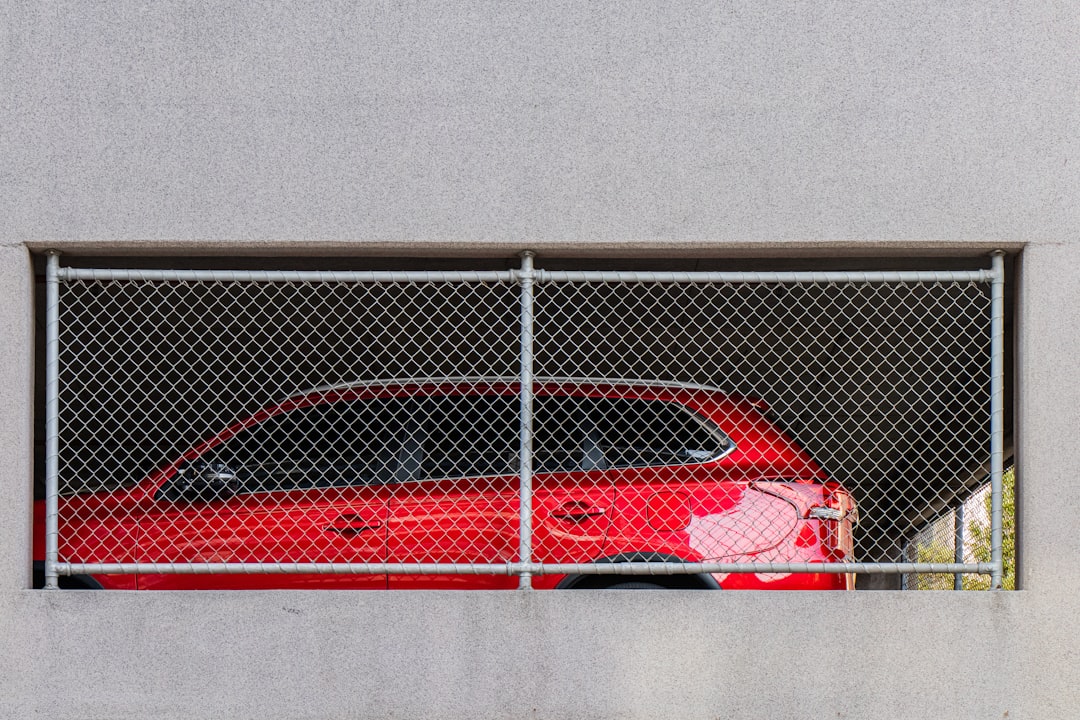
<point x="52" y="418"/>
<point x="997" y="413"/>
<point x="526" y="277"/>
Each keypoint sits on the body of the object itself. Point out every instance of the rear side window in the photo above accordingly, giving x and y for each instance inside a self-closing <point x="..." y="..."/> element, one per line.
<point x="604" y="433"/>
<point x="641" y="433"/>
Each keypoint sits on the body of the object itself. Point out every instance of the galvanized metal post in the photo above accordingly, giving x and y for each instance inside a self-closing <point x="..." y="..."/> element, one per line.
<point x="52" y="418"/>
<point x="958" y="545"/>
<point x="997" y="412"/>
<point x="525" y="279"/>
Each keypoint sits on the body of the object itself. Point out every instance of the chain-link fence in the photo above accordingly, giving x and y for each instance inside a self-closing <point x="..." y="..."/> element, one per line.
<point x="514" y="428"/>
<point x="963" y="534"/>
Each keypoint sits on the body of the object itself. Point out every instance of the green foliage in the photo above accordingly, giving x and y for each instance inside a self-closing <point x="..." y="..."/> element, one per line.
<point x="978" y="531"/>
<point x="980" y="537"/>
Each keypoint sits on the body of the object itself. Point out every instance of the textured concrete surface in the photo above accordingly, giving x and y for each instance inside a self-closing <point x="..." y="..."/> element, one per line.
<point x="1049" y="382"/>
<point x="16" y="417"/>
<point x="433" y="123"/>
<point x="561" y="655"/>
<point x="632" y="128"/>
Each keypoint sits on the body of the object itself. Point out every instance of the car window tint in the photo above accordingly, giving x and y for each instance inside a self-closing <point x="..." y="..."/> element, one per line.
<point x="564" y="437"/>
<point x="340" y="444"/>
<point x="469" y="437"/>
<point x="598" y="433"/>
<point x="640" y="433"/>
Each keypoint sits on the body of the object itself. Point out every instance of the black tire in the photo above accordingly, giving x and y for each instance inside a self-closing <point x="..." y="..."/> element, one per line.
<point x="636" y="585"/>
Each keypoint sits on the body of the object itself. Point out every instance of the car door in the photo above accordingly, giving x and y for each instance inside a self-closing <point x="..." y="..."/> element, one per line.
<point x="460" y="501"/>
<point x="312" y="488"/>
<point x="456" y="499"/>
<point x="573" y="492"/>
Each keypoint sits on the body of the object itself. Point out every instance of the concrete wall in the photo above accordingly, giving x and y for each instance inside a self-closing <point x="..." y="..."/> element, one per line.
<point x="713" y="129"/>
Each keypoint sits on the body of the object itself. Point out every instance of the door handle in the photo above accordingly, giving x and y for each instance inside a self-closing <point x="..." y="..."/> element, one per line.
<point x="578" y="511"/>
<point x="352" y="524"/>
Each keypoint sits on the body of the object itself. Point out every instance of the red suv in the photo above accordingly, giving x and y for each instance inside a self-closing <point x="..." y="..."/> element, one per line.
<point x="426" y="471"/>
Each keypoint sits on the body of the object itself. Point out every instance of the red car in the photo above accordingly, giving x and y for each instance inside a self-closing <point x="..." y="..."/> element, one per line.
<point x="426" y="471"/>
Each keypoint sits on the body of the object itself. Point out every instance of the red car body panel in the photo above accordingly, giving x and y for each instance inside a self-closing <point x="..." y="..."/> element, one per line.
<point x="751" y="505"/>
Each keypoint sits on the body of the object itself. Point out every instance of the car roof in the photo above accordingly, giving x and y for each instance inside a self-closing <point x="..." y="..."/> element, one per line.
<point x="479" y="380"/>
<point x="705" y="398"/>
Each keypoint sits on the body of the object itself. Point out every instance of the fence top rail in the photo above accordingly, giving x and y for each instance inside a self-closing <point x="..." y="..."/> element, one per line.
<point x="807" y="277"/>
<point x="294" y="276"/>
<point x="513" y="276"/>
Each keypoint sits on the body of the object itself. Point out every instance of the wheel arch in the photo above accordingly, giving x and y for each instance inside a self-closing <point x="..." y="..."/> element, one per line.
<point x="701" y="581"/>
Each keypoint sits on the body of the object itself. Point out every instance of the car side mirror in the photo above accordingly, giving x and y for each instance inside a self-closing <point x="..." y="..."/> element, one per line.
<point x="203" y="481"/>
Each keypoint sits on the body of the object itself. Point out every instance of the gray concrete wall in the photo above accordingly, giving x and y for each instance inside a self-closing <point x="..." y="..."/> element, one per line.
<point x="704" y="128"/>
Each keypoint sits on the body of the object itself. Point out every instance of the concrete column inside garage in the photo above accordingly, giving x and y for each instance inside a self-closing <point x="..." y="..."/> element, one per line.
<point x="689" y="132"/>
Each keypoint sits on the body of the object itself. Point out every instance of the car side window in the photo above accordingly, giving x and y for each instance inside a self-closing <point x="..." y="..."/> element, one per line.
<point x="468" y="436"/>
<point x="561" y="430"/>
<point x="602" y="433"/>
<point x="333" y="445"/>
<point x="643" y="433"/>
<point x="412" y="439"/>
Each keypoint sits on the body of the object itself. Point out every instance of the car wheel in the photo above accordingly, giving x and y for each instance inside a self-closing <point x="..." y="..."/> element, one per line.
<point x="636" y="586"/>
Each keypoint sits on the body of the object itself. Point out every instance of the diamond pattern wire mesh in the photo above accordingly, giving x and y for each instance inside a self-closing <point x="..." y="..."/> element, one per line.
<point x="963" y="531"/>
<point x="886" y="385"/>
<point x="149" y="370"/>
<point x="361" y="422"/>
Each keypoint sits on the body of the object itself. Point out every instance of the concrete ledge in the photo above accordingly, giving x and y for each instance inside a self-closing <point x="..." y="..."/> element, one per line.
<point x="597" y="654"/>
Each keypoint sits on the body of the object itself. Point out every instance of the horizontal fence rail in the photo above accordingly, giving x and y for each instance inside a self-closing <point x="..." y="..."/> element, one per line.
<point x="520" y="428"/>
<point x="628" y="568"/>
<point x="539" y="276"/>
